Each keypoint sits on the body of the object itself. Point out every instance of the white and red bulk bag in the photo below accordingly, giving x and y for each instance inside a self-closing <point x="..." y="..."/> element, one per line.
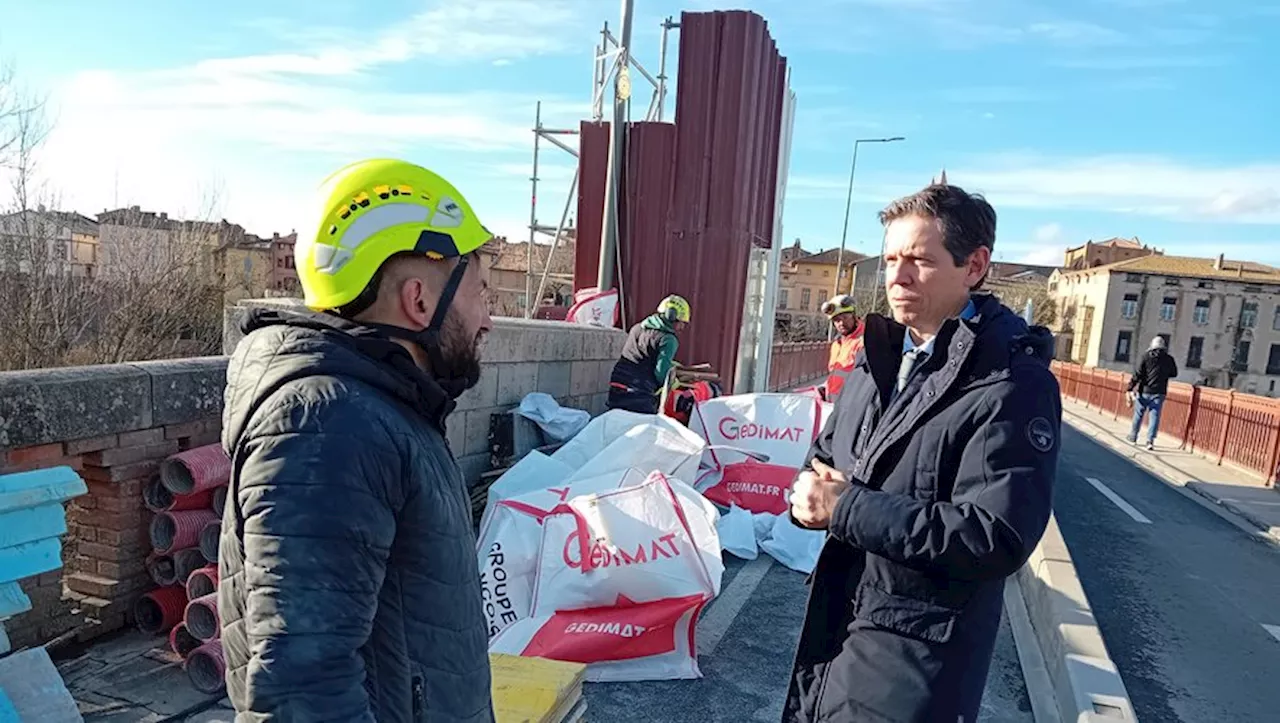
<point x="636" y="543"/>
<point x="511" y="538"/>
<point x="781" y="427"/>
<point x="620" y="439"/>
<point x="626" y="641"/>
<point x="594" y="307"/>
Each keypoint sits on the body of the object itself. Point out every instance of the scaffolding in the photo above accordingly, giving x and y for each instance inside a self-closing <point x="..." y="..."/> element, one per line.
<point x="605" y="66"/>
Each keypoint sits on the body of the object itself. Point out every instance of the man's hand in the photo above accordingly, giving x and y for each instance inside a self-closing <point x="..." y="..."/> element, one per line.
<point x="1129" y="398"/>
<point x="814" y="495"/>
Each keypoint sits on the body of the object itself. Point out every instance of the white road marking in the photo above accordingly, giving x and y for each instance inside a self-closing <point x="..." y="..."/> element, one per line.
<point x="1128" y="509"/>
<point x="1273" y="629"/>
<point x="715" y="623"/>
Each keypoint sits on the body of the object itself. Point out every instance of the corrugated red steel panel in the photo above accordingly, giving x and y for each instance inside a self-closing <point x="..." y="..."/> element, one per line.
<point x="593" y="166"/>
<point x="701" y="193"/>
<point x="728" y="109"/>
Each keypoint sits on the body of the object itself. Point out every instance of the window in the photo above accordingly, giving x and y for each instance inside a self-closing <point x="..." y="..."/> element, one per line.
<point x="1124" y="344"/>
<point x="782" y="298"/>
<point x="1248" y="314"/>
<point x="1241" y="361"/>
<point x="826" y="273"/>
<point x="808" y="272"/>
<point x="1169" y="281"/>
<point x="804" y="299"/>
<point x="1275" y="319"/>
<point x="1133" y="278"/>
<point x="1204" y="285"/>
<point x="1168" y="308"/>
<point x="1195" y="352"/>
<point x="822" y="297"/>
<point x="1201" y="313"/>
<point x="1129" y="309"/>
<point x="1273" y="360"/>
<point x="1253" y="289"/>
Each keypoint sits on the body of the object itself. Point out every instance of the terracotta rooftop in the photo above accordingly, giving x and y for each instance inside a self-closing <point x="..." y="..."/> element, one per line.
<point x="829" y="257"/>
<point x="1192" y="267"/>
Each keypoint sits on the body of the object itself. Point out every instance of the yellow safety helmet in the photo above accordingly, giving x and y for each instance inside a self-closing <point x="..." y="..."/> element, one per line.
<point x="675" y="308"/>
<point x="371" y="210"/>
<point x="842" y="304"/>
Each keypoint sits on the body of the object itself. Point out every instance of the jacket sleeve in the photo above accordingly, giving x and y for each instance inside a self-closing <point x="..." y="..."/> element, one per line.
<point x="666" y="357"/>
<point x="1000" y="502"/>
<point x="318" y="529"/>
<point x="1138" y="373"/>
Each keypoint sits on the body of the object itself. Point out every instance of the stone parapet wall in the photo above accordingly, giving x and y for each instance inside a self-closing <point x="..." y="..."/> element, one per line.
<point x="115" y="423"/>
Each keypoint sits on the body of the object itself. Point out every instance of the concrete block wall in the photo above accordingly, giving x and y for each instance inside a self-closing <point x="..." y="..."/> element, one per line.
<point x="115" y="423"/>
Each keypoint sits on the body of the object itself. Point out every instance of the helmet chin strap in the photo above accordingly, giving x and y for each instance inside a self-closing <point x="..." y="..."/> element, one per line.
<point x="429" y="338"/>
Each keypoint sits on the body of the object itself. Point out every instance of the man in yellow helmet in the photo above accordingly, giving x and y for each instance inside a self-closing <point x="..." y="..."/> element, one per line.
<point x="647" y="357"/>
<point x="350" y="590"/>
<point x="848" y="343"/>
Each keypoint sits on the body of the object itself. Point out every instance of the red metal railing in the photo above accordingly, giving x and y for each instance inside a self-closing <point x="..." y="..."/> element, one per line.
<point x="797" y="363"/>
<point x="1221" y="424"/>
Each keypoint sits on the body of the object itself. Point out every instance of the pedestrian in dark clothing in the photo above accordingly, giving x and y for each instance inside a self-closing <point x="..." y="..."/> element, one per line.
<point x="648" y="355"/>
<point x="933" y="478"/>
<point x="1148" y="388"/>
<point x="349" y="587"/>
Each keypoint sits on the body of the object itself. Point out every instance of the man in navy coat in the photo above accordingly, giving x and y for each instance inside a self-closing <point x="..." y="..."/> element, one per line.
<point x="933" y="479"/>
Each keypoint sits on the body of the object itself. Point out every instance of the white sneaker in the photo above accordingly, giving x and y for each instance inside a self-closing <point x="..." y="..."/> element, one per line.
<point x="1151" y="446"/>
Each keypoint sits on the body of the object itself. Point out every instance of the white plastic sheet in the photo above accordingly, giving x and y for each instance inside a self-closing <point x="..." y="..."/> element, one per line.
<point x="558" y="423"/>
<point x="620" y="439"/>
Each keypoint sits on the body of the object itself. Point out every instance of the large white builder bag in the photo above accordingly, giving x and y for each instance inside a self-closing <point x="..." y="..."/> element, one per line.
<point x="620" y="439"/>
<point x="594" y="308"/>
<point x="774" y="433"/>
<point x="625" y="641"/>
<point x="511" y="538"/>
<point x="637" y="543"/>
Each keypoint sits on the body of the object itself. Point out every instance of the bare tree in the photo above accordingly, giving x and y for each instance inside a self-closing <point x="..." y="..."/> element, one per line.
<point x="1016" y="294"/>
<point x="78" y="292"/>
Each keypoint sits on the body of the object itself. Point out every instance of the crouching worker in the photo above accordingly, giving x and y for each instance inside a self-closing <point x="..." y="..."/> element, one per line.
<point x="848" y="342"/>
<point x="647" y="358"/>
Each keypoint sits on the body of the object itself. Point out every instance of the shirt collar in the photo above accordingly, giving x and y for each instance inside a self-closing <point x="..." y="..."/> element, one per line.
<point x="968" y="312"/>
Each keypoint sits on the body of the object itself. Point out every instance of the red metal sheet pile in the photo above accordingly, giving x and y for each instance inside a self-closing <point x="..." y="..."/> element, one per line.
<point x="700" y="193"/>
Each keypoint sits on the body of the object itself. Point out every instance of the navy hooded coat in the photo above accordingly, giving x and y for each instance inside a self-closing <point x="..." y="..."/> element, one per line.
<point x="951" y="488"/>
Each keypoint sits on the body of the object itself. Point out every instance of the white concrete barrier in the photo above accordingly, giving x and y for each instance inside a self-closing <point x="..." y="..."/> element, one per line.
<point x="1086" y="683"/>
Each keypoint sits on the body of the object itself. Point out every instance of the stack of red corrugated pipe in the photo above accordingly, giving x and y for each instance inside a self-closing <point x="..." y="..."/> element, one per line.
<point x="187" y="499"/>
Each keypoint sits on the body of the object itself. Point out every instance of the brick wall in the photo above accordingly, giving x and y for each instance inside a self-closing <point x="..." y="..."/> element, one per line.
<point x="115" y="423"/>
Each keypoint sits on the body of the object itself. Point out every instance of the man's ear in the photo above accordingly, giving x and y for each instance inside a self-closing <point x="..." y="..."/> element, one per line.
<point x="413" y="301"/>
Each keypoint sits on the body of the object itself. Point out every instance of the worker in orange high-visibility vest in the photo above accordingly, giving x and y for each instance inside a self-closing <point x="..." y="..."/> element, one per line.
<point x="848" y="342"/>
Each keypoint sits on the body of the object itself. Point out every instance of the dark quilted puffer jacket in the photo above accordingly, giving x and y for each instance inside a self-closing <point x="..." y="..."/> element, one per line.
<point x="349" y="587"/>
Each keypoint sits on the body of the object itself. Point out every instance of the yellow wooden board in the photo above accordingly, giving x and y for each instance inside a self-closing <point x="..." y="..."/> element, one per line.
<point x="533" y="690"/>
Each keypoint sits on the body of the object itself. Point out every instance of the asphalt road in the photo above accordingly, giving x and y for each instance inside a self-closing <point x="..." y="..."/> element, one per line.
<point x="745" y="674"/>
<point x="1182" y="600"/>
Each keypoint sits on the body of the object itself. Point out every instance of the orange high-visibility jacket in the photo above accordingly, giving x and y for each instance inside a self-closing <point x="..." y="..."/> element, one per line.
<point x="844" y="352"/>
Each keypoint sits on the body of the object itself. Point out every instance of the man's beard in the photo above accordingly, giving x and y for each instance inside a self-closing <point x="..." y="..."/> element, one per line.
<point x="460" y="354"/>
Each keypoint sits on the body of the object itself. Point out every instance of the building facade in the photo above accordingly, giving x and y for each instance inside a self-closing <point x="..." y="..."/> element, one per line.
<point x="806" y="281"/>
<point x="1101" y="253"/>
<point x="62" y="242"/>
<point x="1220" y="318"/>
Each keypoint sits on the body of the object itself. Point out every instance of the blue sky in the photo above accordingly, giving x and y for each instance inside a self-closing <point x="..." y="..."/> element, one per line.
<point x="1084" y="119"/>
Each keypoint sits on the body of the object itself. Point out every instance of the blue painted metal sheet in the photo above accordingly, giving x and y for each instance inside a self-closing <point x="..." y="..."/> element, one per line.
<point x="30" y="558"/>
<point x="31" y="524"/>
<point x="30" y="489"/>
<point x="12" y="600"/>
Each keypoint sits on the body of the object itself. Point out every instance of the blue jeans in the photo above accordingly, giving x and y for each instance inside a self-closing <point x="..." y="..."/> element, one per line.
<point x="1146" y="402"/>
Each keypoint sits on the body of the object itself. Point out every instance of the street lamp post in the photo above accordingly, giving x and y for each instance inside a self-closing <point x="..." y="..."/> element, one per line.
<point x="848" y="206"/>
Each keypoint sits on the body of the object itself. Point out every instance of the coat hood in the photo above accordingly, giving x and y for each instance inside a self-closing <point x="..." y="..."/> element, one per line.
<point x="281" y="346"/>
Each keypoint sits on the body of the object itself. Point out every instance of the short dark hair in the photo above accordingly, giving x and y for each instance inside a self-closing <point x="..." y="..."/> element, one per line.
<point x="966" y="220"/>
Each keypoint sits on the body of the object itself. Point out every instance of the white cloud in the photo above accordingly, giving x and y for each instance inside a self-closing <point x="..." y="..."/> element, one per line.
<point x="1049" y="233"/>
<point x="1042" y="257"/>
<point x="1147" y="185"/>
<point x="267" y="127"/>
<point x="1075" y="33"/>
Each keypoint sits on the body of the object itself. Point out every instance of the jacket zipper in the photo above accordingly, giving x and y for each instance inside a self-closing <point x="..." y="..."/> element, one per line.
<point x="417" y="697"/>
